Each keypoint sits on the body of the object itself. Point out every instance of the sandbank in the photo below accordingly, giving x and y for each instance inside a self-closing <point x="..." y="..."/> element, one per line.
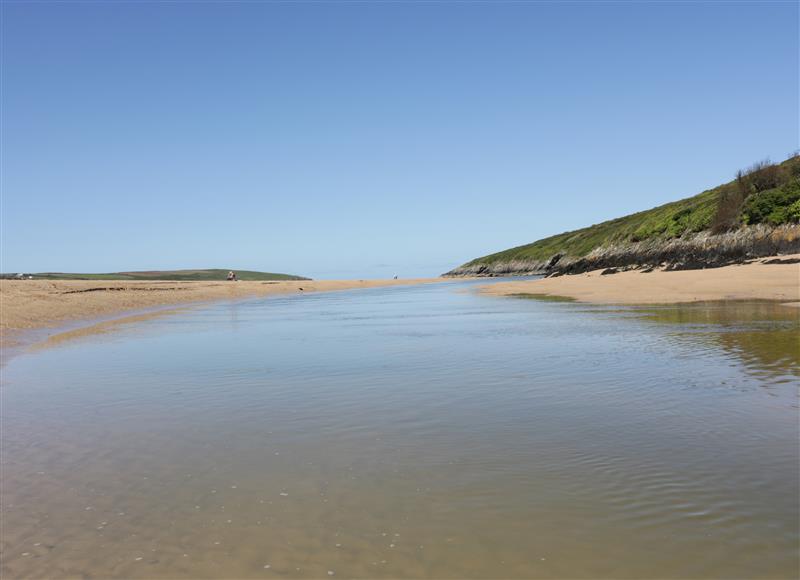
<point x="39" y="305"/>
<point x="756" y="280"/>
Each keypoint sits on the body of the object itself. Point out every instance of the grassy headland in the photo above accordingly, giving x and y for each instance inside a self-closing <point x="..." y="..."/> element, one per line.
<point x="756" y="214"/>
<point x="170" y="275"/>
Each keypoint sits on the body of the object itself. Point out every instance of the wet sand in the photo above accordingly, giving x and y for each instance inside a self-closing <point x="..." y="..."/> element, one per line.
<point x="752" y="281"/>
<point x="29" y="305"/>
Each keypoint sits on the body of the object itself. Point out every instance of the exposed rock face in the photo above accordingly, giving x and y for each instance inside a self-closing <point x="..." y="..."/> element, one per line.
<point x="512" y="268"/>
<point x="702" y="250"/>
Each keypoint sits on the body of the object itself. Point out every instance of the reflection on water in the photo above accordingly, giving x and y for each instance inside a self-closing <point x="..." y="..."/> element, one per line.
<point x="764" y="335"/>
<point x="409" y="432"/>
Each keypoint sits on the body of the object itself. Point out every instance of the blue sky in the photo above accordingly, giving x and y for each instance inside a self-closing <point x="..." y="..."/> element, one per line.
<point x="344" y="139"/>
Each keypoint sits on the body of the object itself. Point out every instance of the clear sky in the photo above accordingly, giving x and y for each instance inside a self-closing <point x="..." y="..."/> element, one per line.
<point x="353" y="139"/>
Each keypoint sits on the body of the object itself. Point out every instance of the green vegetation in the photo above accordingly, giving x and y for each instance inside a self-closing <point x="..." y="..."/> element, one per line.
<point x="173" y="275"/>
<point x="765" y="193"/>
<point x="774" y="206"/>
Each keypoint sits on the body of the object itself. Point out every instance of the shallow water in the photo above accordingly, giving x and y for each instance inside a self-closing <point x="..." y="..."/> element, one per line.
<point x="409" y="432"/>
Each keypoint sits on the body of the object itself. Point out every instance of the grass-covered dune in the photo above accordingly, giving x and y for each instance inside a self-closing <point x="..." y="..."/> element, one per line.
<point x="756" y="214"/>
<point x="172" y="275"/>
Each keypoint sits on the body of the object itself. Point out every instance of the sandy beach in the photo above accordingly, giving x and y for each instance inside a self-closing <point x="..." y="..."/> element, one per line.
<point x="27" y="305"/>
<point x="756" y="280"/>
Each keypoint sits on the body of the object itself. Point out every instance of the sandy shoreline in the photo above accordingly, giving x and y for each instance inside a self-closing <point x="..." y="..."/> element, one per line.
<point x="27" y="306"/>
<point x="33" y="310"/>
<point x="752" y="281"/>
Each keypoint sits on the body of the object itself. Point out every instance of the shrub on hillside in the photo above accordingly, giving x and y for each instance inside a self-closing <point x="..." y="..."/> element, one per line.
<point x="793" y="212"/>
<point x="774" y="206"/>
<point x="761" y="177"/>
<point x="793" y="166"/>
<point x="734" y="205"/>
<point x="729" y="206"/>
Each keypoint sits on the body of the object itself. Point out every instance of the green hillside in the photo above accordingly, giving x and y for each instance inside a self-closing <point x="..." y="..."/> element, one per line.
<point x="764" y="193"/>
<point x="174" y="275"/>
